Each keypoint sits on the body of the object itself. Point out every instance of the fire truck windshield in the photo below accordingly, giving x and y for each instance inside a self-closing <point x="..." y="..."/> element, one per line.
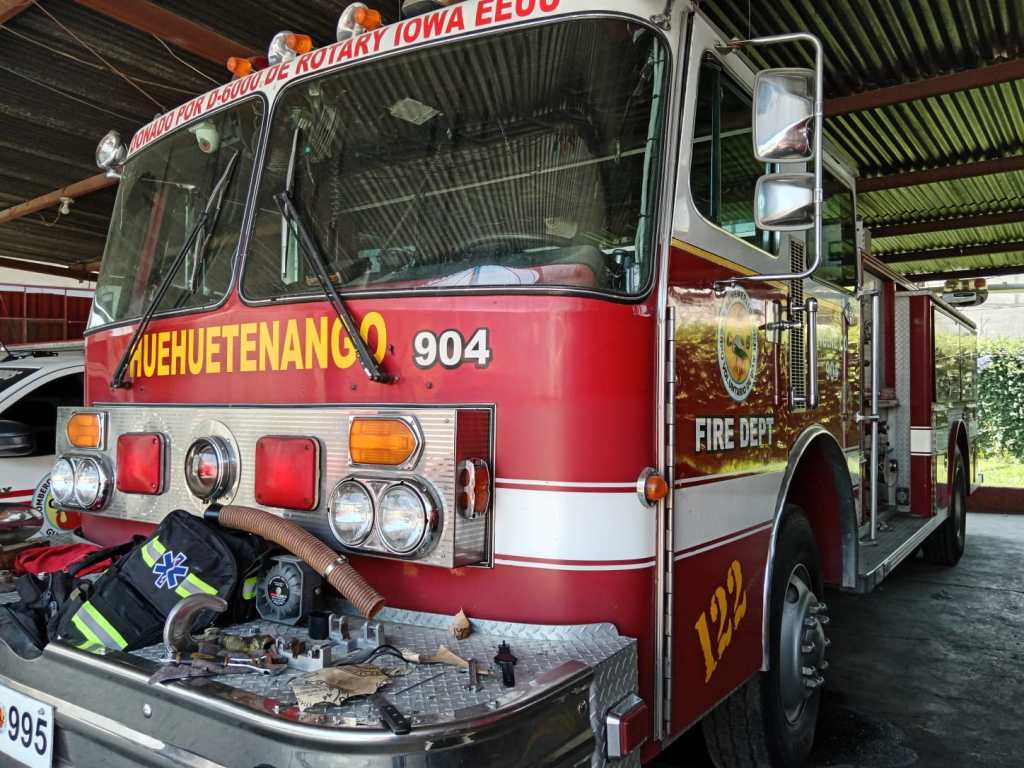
<point x="163" y="190"/>
<point x="525" y="158"/>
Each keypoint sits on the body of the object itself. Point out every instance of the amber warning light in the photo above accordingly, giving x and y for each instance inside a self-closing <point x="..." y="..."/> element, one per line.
<point x="85" y="430"/>
<point x="382" y="442"/>
<point x="240" y="66"/>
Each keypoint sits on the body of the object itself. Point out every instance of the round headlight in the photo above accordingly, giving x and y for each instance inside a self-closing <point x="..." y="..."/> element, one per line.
<point x="351" y="513"/>
<point x="111" y="151"/>
<point x="209" y="468"/>
<point x="62" y="482"/>
<point x="403" y="519"/>
<point x="88" y="482"/>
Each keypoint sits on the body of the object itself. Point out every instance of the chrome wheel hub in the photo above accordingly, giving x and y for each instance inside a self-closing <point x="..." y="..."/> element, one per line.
<point x="802" y="644"/>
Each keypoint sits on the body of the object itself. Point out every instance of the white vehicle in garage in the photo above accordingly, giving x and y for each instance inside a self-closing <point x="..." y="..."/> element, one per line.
<point x="34" y="382"/>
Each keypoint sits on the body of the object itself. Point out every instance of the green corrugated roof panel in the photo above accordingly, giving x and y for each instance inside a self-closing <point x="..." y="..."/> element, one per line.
<point x="873" y="44"/>
<point x="961" y="262"/>
<point x="1002" y="233"/>
<point x="962" y="197"/>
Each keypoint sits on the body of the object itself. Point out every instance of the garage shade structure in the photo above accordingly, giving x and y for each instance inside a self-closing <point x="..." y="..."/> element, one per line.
<point x="923" y="96"/>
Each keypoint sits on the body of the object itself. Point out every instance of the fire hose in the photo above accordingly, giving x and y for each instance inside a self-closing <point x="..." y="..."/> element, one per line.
<point x="335" y="568"/>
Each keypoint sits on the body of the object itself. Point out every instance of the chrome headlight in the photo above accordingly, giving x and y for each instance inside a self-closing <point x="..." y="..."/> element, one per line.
<point x="404" y="516"/>
<point x="62" y="482"/>
<point x="351" y="513"/>
<point x="89" y="482"/>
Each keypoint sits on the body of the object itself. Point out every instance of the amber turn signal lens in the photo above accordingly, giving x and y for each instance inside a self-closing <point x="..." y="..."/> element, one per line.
<point x="300" y="43"/>
<point x="239" y="67"/>
<point x="85" y="430"/>
<point x="655" y="488"/>
<point x="367" y="18"/>
<point x="385" y="442"/>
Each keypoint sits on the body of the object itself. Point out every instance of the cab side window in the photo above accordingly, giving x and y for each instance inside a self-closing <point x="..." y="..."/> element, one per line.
<point x="723" y="170"/>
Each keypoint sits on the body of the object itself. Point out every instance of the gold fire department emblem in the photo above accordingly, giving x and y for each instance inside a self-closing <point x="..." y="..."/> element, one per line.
<point x="737" y="344"/>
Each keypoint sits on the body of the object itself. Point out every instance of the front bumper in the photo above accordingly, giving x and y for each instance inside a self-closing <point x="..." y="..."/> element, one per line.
<point x="107" y="713"/>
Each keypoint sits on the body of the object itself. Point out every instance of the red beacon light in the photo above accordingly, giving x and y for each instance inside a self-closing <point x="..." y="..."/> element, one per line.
<point x="357" y="19"/>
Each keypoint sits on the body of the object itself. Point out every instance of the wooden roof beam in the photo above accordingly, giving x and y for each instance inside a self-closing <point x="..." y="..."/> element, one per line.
<point x="945" y="225"/>
<point x="993" y="74"/>
<point x="11" y="8"/>
<point x="943" y="173"/>
<point x="50" y="199"/>
<point x="153" y="19"/>
<point x="956" y="252"/>
<point x="958" y="274"/>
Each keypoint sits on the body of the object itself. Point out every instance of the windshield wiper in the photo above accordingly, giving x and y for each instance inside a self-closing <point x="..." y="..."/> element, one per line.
<point x="292" y="219"/>
<point x="315" y="259"/>
<point x="210" y="213"/>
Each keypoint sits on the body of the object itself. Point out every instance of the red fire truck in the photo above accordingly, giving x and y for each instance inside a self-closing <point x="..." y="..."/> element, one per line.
<point x="550" y="311"/>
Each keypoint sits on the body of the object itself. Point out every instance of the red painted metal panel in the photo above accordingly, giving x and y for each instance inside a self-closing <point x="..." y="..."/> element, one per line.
<point x="572" y="378"/>
<point x="921" y="486"/>
<point x="717" y="624"/>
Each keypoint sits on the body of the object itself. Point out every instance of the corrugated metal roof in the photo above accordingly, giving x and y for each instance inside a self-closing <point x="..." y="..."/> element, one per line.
<point x="874" y="43"/>
<point x="884" y="43"/>
<point x="47" y="136"/>
<point x="961" y="197"/>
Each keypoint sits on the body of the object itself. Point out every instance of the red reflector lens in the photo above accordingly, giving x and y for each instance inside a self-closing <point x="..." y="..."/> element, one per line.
<point x="287" y="472"/>
<point x="140" y="463"/>
<point x="628" y="726"/>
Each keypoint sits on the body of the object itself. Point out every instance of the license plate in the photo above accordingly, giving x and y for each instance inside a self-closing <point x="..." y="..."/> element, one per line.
<point x="26" y="729"/>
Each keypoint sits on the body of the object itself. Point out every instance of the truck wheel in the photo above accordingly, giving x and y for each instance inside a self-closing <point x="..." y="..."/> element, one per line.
<point x="946" y="545"/>
<point x="770" y="720"/>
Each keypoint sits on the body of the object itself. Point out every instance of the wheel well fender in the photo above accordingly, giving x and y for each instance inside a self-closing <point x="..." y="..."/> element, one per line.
<point x="818" y="480"/>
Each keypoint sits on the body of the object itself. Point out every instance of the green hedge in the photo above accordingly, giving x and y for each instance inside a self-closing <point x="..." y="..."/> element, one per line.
<point x="1001" y="397"/>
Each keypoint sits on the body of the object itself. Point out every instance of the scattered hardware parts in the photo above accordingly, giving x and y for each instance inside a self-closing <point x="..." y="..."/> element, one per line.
<point x="507" y="663"/>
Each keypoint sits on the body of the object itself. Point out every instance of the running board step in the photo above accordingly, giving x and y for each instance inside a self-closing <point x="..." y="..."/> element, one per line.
<point x="877" y="559"/>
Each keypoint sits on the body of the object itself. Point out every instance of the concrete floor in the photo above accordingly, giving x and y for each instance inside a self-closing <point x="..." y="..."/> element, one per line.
<point x="928" y="670"/>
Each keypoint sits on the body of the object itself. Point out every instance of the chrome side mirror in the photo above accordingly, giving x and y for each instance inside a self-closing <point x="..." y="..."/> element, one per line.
<point x="784" y="202"/>
<point x="111" y="153"/>
<point x="784" y="115"/>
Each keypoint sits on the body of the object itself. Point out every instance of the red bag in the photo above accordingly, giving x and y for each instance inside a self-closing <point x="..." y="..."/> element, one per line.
<point x="40" y="560"/>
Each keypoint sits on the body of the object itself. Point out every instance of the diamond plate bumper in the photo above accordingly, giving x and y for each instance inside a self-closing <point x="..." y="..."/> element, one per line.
<point x="567" y="677"/>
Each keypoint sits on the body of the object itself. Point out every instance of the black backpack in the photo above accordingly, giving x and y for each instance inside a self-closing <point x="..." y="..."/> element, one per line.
<point x="186" y="555"/>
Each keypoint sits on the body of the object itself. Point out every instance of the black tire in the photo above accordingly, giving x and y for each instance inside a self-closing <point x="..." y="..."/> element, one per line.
<point x="946" y="545"/>
<point x="751" y="729"/>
